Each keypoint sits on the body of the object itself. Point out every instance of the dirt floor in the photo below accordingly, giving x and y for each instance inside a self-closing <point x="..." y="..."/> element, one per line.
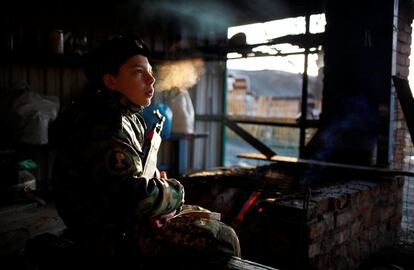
<point x="20" y="222"/>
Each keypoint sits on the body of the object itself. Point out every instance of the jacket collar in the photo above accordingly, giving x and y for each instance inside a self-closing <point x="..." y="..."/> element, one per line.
<point x="129" y="105"/>
<point x="123" y="101"/>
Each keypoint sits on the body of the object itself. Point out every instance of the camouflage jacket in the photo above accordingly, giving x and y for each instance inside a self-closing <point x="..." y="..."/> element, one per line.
<point x="96" y="173"/>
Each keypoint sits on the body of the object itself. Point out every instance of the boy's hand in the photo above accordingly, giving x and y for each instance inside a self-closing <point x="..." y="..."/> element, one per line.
<point x="160" y="221"/>
<point x="163" y="174"/>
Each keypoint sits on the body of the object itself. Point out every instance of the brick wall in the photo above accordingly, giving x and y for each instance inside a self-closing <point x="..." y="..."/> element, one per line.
<point x="346" y="223"/>
<point x="402" y="148"/>
<point x="342" y="226"/>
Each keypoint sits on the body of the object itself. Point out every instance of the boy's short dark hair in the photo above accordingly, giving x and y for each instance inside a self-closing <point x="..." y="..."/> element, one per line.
<point x="108" y="57"/>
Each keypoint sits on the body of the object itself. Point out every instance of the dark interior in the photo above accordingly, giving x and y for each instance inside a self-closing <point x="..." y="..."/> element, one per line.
<point x="361" y="133"/>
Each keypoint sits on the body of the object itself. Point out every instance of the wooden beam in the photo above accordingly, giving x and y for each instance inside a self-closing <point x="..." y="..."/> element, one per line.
<point x="407" y="102"/>
<point x="367" y="169"/>
<point x="246" y="136"/>
<point x="236" y="263"/>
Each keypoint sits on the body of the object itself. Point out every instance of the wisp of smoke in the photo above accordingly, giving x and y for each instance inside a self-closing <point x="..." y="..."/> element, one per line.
<point x="179" y="74"/>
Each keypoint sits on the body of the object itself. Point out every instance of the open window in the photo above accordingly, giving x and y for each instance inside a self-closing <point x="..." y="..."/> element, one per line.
<point x="274" y="74"/>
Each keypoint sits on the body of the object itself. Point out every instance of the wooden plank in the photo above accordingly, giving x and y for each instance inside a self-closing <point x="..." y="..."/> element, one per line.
<point x="66" y="82"/>
<point x="52" y="81"/>
<point x="78" y="81"/>
<point x="407" y="102"/>
<point x="259" y="120"/>
<point x="36" y="78"/>
<point x="4" y="79"/>
<point x="272" y="121"/>
<point x="19" y="75"/>
<point x="236" y="263"/>
<point x="286" y="159"/>
<point x="246" y="136"/>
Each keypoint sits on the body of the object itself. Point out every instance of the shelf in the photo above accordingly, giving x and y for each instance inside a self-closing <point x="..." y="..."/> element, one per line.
<point x="187" y="136"/>
<point x="42" y="59"/>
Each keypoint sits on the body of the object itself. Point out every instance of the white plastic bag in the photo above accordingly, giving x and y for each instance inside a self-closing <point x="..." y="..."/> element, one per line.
<point x="34" y="112"/>
<point x="183" y="111"/>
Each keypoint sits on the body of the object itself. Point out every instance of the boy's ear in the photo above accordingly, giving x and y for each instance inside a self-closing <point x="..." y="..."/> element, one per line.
<point x="109" y="82"/>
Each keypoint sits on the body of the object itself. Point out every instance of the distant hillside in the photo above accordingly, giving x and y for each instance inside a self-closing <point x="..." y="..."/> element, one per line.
<point x="275" y="83"/>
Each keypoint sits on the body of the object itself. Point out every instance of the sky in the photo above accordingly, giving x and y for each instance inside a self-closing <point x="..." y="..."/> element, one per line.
<point x="262" y="32"/>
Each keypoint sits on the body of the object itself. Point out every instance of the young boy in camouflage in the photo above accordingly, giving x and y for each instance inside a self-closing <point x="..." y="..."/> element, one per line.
<point x="110" y="210"/>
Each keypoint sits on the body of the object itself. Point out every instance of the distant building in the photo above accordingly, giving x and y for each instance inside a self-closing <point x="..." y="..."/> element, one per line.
<point x="269" y="93"/>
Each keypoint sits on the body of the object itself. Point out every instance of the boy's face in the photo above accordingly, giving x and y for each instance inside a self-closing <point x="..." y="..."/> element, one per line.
<point x="134" y="80"/>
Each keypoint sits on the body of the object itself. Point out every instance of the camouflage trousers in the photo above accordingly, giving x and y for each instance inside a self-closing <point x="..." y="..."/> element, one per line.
<point x="194" y="233"/>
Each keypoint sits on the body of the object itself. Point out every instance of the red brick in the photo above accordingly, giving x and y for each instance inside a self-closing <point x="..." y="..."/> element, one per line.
<point x="382" y="229"/>
<point x="369" y="219"/>
<point x="372" y="233"/>
<point x="364" y="237"/>
<point x="354" y="253"/>
<point x="355" y="228"/>
<point x="363" y="211"/>
<point x="338" y="202"/>
<point x="375" y="191"/>
<point x="398" y="209"/>
<point x="341" y="252"/>
<point x="316" y="229"/>
<point x="403" y="37"/>
<point x="329" y="220"/>
<point x="365" y="197"/>
<point x="314" y="249"/>
<point x="402" y="71"/>
<point x="324" y="261"/>
<point x="312" y="209"/>
<point x="341" y="237"/>
<point x="402" y="59"/>
<point x="322" y="206"/>
<point x="327" y="244"/>
<point x="407" y="28"/>
<point x="403" y="48"/>
<point x="344" y="218"/>
<point x="386" y="213"/>
<point x="395" y="222"/>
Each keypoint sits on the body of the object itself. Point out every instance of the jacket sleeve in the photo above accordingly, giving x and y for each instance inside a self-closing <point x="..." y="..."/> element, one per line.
<point x="143" y="197"/>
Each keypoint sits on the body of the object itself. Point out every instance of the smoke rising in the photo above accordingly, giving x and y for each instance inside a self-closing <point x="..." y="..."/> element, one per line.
<point x="179" y="74"/>
<point x="201" y="18"/>
<point x="349" y="138"/>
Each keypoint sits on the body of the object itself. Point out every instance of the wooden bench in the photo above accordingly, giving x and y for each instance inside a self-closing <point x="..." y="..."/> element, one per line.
<point x="241" y="264"/>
